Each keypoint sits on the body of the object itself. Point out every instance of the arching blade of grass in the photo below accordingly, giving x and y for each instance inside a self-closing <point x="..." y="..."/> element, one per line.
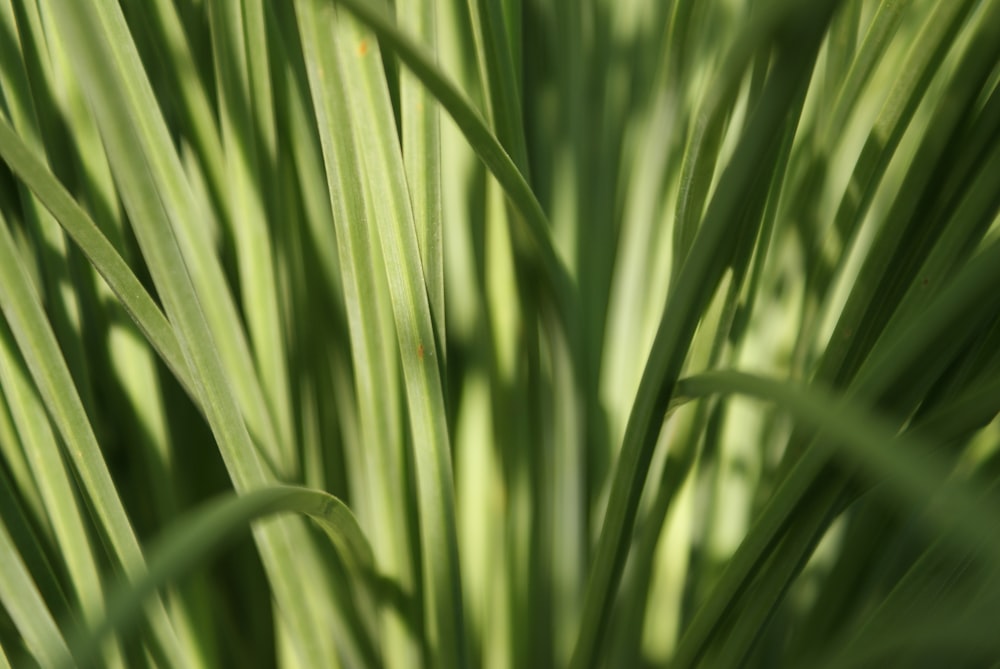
<point x="929" y="332"/>
<point x="189" y="542"/>
<point x="119" y="277"/>
<point x="905" y="464"/>
<point x="905" y="467"/>
<point x="79" y="159"/>
<point x="304" y="205"/>
<point x="899" y="385"/>
<point x="38" y="443"/>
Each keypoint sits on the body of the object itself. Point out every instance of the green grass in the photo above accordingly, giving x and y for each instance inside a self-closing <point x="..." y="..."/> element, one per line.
<point x="499" y="333"/>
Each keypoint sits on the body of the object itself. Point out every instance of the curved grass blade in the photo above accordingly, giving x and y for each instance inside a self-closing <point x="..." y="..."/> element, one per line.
<point x="82" y="163"/>
<point x="927" y="336"/>
<point x="192" y="540"/>
<point x="904" y="463"/>
<point x="916" y="348"/>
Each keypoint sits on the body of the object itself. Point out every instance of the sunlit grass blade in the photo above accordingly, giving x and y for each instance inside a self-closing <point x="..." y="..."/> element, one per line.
<point x="968" y="292"/>
<point x="920" y="64"/>
<point x="377" y="383"/>
<point x="240" y="48"/>
<point x="910" y="229"/>
<point x="159" y="27"/>
<point x="41" y="353"/>
<point x="116" y="61"/>
<point x="421" y="139"/>
<point x="63" y="305"/>
<point x="478" y="268"/>
<point x="143" y="413"/>
<point x="28" y="533"/>
<point x="136" y="370"/>
<point x="533" y="241"/>
<point x="19" y="472"/>
<point x="54" y="483"/>
<point x="151" y="187"/>
<point x="357" y="63"/>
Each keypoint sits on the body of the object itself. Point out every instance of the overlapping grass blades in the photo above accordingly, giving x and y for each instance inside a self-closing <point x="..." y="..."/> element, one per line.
<point x="631" y="333"/>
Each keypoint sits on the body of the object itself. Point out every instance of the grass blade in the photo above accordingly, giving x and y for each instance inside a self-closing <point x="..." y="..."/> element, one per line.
<point x="191" y="540"/>
<point x="372" y="119"/>
<point x="41" y="353"/>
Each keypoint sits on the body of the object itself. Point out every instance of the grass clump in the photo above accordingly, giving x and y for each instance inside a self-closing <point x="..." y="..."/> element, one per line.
<point x="499" y="333"/>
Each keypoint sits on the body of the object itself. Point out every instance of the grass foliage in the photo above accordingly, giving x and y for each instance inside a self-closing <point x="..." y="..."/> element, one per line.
<point x="499" y="333"/>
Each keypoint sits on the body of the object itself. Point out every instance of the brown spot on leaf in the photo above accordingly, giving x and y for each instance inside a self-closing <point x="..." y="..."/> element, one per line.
<point x="362" y="48"/>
